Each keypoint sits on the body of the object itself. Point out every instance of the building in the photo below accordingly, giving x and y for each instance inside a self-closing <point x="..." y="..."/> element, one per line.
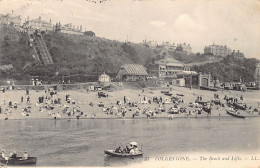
<point x="104" y="79"/>
<point x="132" y="72"/>
<point x="169" y="46"/>
<point x="38" y="24"/>
<point x="257" y="75"/>
<point x="237" y="54"/>
<point x="166" y="68"/>
<point x="217" y="50"/>
<point x="10" y="20"/>
<point x="169" y="69"/>
<point x="184" y="48"/>
<point x="68" y="29"/>
<point x="151" y="44"/>
<point x="89" y="33"/>
<point x="6" y="68"/>
<point x="232" y="85"/>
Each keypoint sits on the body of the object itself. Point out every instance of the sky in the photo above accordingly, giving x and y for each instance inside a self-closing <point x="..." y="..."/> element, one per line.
<point x="235" y="23"/>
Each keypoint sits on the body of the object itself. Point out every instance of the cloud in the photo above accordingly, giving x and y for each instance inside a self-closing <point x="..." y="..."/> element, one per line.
<point x="184" y="23"/>
<point x="157" y="23"/>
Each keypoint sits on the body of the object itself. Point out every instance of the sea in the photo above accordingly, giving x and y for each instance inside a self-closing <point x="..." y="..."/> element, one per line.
<point x="72" y="142"/>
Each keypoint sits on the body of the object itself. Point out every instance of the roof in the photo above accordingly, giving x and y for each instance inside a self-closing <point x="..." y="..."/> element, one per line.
<point x="103" y="75"/>
<point x="38" y="20"/>
<point x="6" y="67"/>
<point x="9" y="16"/>
<point x="132" y="69"/>
<point x="169" y="61"/>
<point x="187" y="73"/>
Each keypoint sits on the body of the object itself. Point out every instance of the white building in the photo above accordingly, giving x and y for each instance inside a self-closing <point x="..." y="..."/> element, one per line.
<point x="104" y="79"/>
<point x="9" y="19"/>
<point x="217" y="50"/>
<point x="38" y="24"/>
<point x="68" y="29"/>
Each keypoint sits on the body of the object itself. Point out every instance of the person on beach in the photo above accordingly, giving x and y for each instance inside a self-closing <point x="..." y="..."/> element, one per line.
<point x="124" y="99"/>
<point x="241" y="98"/>
<point x="10" y="104"/>
<point x="27" y="92"/>
<point x="28" y="99"/>
<point x="3" y="154"/>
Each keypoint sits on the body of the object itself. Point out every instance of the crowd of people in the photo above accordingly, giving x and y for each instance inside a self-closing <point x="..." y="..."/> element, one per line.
<point x="142" y="105"/>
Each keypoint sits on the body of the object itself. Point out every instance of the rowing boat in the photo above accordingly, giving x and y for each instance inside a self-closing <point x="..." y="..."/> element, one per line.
<point x="113" y="153"/>
<point x="235" y="114"/>
<point x="19" y="161"/>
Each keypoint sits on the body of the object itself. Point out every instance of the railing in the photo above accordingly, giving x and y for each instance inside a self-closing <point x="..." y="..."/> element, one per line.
<point x="36" y="56"/>
<point x="44" y="53"/>
<point x="47" y="52"/>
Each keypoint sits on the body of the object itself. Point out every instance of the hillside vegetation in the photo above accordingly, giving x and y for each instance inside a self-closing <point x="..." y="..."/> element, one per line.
<point x="83" y="58"/>
<point x="230" y="69"/>
<point x="78" y="58"/>
<point x="93" y="55"/>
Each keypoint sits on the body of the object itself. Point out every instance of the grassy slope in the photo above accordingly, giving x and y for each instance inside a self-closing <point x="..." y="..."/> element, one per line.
<point x="94" y="54"/>
<point x="14" y="48"/>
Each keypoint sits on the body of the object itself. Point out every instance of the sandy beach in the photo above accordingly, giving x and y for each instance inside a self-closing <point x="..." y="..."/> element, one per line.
<point x="84" y="98"/>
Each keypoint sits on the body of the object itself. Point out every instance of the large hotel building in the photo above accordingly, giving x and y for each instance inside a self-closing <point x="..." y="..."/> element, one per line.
<point x="217" y="50"/>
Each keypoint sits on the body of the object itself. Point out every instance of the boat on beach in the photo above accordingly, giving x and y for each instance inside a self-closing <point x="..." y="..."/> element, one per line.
<point x="207" y="109"/>
<point x="235" y="114"/>
<point x="115" y="154"/>
<point x="241" y="106"/>
<point x="19" y="161"/>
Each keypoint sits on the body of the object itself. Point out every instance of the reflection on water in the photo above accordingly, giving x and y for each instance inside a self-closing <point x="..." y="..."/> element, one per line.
<point x="120" y="161"/>
<point x="82" y="142"/>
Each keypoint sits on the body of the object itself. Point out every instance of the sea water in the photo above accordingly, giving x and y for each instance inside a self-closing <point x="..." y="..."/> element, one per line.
<point x="82" y="142"/>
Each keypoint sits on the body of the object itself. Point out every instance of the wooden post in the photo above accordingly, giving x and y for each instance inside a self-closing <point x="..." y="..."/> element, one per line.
<point x="190" y="81"/>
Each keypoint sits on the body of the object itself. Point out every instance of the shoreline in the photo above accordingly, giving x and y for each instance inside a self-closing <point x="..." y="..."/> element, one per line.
<point x="139" y="118"/>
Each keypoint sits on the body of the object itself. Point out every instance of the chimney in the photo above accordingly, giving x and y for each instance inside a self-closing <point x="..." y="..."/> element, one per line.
<point x="50" y="20"/>
<point x="70" y="25"/>
<point x="237" y="51"/>
<point x="80" y="27"/>
<point x="40" y="17"/>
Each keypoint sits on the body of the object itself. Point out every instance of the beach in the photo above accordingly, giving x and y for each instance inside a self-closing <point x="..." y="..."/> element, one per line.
<point x="86" y="103"/>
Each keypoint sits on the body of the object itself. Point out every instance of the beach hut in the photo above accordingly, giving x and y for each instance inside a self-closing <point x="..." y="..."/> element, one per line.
<point x="104" y="79"/>
<point x="91" y="88"/>
<point x="181" y="82"/>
